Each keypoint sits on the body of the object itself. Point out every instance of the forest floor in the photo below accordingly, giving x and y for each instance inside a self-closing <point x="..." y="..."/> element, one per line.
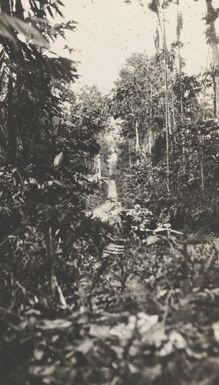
<point x="144" y="312"/>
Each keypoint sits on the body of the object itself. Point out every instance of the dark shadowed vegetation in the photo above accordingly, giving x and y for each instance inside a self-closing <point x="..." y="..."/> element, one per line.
<point x="109" y="211"/>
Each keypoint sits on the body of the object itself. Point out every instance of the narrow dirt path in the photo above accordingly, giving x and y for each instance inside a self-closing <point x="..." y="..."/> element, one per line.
<point x="109" y="210"/>
<point x="112" y="190"/>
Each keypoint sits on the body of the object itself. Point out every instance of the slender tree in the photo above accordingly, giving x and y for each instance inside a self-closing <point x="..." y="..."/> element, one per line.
<point x="213" y="40"/>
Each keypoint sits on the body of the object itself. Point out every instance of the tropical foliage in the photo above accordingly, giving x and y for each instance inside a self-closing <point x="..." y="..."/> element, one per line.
<point x="131" y="300"/>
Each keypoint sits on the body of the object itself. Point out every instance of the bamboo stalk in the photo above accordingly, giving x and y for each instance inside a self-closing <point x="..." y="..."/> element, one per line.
<point x="181" y="94"/>
<point x="166" y="106"/>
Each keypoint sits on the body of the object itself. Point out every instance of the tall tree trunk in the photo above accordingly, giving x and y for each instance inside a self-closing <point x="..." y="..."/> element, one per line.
<point x="216" y="96"/>
<point x="181" y="108"/>
<point x="52" y="277"/>
<point x="150" y="133"/>
<point x="215" y="51"/>
<point x="150" y="140"/>
<point x="183" y="131"/>
<point x="201" y="162"/>
<point x="173" y="110"/>
<point x="166" y="106"/>
<point x="137" y="145"/>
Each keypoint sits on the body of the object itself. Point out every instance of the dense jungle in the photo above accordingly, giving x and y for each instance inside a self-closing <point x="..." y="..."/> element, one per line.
<point x="109" y="207"/>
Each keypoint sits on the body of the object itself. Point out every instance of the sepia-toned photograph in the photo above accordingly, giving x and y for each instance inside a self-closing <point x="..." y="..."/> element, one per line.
<point x="109" y="192"/>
